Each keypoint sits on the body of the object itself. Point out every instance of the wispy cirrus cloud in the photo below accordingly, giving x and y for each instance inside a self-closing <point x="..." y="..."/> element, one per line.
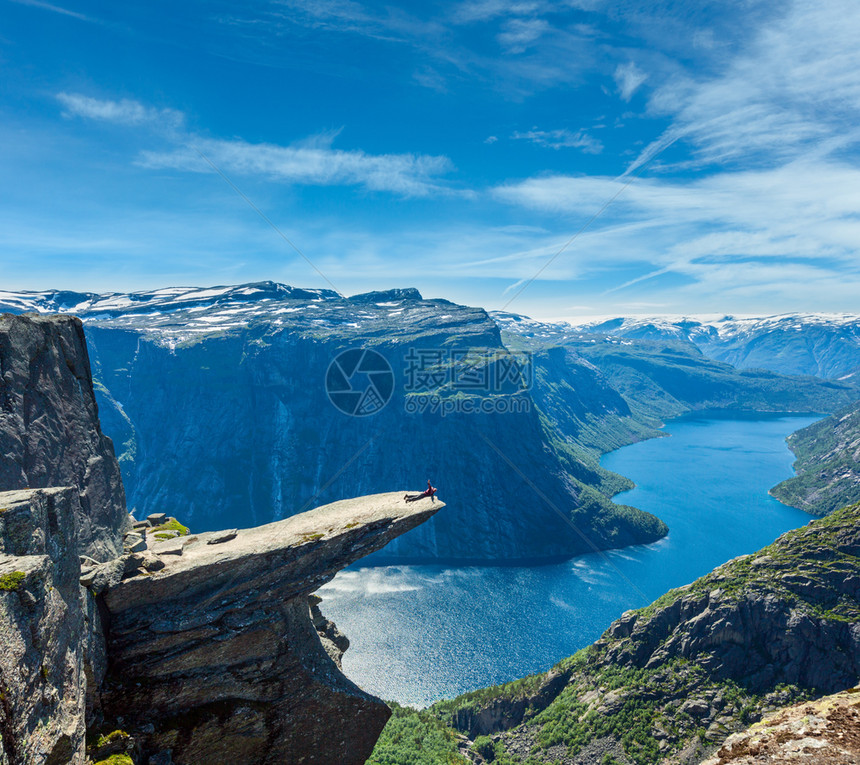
<point x="806" y="207"/>
<point x="123" y="112"/>
<point x="561" y="139"/>
<point x="786" y="94"/>
<point x="55" y="9"/>
<point x="307" y="163"/>
<point x="728" y="233"/>
<point x="518" y="35"/>
<point x="311" y="161"/>
<point x="484" y="10"/>
<point x="773" y="204"/>
<point x="628" y="77"/>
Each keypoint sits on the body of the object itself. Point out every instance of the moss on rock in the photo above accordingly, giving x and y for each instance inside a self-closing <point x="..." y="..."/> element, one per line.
<point x="12" y="581"/>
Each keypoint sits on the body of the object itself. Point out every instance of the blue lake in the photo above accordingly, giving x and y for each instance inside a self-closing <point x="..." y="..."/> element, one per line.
<point x="421" y="633"/>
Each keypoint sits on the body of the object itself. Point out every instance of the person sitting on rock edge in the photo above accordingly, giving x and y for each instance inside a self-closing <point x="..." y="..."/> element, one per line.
<point x="430" y="491"/>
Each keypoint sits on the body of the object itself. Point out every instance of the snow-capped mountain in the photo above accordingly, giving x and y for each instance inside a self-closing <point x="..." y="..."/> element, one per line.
<point x="826" y="345"/>
<point x="153" y="301"/>
<point x="178" y="314"/>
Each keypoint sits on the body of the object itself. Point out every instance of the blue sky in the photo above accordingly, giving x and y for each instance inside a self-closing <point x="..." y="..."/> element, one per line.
<point x="457" y="147"/>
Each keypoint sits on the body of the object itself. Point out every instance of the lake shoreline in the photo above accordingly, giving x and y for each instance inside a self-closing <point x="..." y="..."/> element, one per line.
<point x="424" y="632"/>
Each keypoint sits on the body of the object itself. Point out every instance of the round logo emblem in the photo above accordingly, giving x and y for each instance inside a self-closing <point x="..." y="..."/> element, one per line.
<point x="359" y="382"/>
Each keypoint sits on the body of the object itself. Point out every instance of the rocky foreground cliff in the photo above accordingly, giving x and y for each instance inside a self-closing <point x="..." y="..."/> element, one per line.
<point x="821" y="732"/>
<point x="669" y="683"/>
<point x="207" y="648"/>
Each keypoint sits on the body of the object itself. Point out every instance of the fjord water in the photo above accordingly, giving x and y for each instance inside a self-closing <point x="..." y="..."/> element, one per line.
<point x="421" y="633"/>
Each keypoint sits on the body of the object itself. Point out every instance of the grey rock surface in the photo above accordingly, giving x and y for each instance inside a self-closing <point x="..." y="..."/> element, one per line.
<point x="224" y="658"/>
<point x="222" y="536"/>
<point x="49" y="427"/>
<point x="216" y="651"/>
<point x="49" y="642"/>
<point x="822" y="732"/>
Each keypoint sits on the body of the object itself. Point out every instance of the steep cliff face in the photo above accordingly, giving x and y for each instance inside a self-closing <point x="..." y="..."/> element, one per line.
<point x="50" y="638"/>
<point x="253" y="436"/>
<point x="49" y="426"/>
<point x="671" y="681"/>
<point x="827" y="465"/>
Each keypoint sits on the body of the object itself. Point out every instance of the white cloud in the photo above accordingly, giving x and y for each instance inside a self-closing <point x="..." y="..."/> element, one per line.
<point x="562" y="139"/>
<point x="784" y="227"/>
<point x="794" y="86"/>
<point x="123" y="112"/>
<point x="55" y="9"/>
<point x="519" y="34"/>
<point x="484" y="10"/>
<point x="794" y="226"/>
<point x="308" y="161"/>
<point x="808" y="196"/>
<point x="628" y="78"/>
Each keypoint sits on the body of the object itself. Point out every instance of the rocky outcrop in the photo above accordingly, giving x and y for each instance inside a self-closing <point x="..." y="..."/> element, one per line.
<point x="822" y="732"/>
<point x="49" y="425"/>
<point x="787" y="615"/>
<point x="217" y="656"/>
<point x="50" y="633"/>
<point x="215" y="648"/>
<point x="670" y="682"/>
<point x="508" y="711"/>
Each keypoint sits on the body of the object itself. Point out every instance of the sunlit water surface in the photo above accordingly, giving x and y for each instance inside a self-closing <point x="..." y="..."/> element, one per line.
<point x="421" y="633"/>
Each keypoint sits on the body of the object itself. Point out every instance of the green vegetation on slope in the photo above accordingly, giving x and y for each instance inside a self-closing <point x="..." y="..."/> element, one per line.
<point x="827" y="465"/>
<point x="170" y="525"/>
<point x="414" y="737"/>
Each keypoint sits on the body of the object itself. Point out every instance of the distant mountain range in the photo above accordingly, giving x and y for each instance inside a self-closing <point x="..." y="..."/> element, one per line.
<point x="820" y="344"/>
<point x="824" y="345"/>
<point x="216" y="399"/>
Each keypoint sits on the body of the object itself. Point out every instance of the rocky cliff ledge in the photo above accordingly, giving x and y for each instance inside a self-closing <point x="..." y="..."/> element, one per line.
<point x="215" y="656"/>
<point x="50" y="634"/>
<point x="206" y="649"/>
